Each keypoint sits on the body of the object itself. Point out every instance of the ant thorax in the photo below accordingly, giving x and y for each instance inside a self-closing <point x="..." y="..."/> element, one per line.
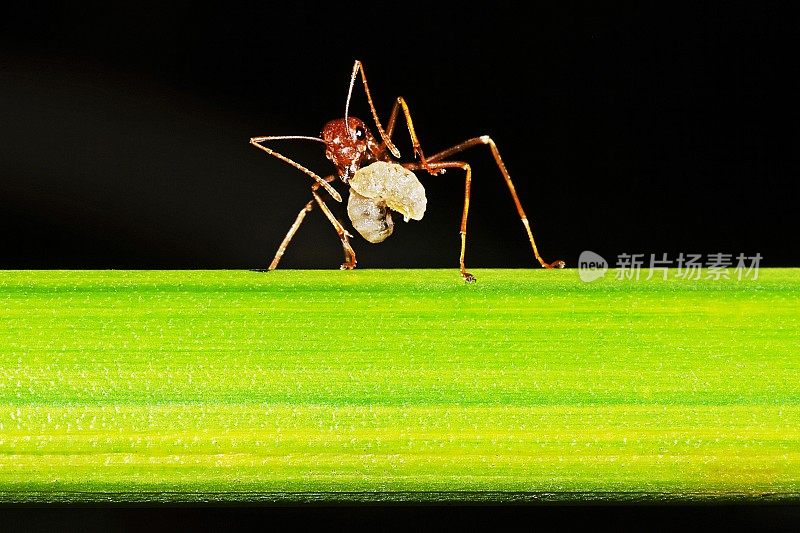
<point x="377" y="188"/>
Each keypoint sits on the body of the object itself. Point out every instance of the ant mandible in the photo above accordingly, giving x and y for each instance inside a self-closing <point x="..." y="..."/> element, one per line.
<point x="384" y="183"/>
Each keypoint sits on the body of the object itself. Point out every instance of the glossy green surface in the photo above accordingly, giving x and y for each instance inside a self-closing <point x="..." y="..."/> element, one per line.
<point x="397" y="384"/>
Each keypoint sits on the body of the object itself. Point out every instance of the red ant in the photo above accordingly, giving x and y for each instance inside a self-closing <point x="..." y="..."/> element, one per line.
<point x="355" y="153"/>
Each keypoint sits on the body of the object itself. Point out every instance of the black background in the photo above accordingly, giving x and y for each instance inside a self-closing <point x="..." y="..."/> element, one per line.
<point x="628" y="129"/>
<point x="638" y="128"/>
<point x="546" y="518"/>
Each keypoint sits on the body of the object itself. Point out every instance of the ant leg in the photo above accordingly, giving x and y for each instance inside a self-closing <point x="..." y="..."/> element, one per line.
<point x="386" y="135"/>
<point x="349" y="254"/>
<point x="299" y="220"/>
<point x="469" y="278"/>
<point x="292" y="230"/>
<point x="357" y="66"/>
<point x="398" y="104"/>
<point x="256" y="141"/>
<point x="486" y="140"/>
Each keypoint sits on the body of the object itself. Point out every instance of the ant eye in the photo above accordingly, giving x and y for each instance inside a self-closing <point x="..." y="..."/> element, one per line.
<point x="360" y="133"/>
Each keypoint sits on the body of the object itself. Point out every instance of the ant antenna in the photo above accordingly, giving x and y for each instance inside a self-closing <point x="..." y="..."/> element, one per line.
<point x="356" y="66"/>
<point x="347" y="104"/>
<point x="298" y="137"/>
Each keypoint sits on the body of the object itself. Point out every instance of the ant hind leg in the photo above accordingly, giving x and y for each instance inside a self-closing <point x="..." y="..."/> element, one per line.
<point x="486" y="140"/>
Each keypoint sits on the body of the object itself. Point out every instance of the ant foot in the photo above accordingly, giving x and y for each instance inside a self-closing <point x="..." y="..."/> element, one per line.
<point x="468" y="278"/>
<point x="554" y="264"/>
<point x="348" y="266"/>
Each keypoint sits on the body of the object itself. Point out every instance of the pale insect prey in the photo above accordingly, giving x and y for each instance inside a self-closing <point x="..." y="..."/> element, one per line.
<point x="377" y="188"/>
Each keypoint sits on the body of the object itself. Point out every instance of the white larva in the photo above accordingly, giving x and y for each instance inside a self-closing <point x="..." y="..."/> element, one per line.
<point x="378" y="186"/>
<point x="371" y="218"/>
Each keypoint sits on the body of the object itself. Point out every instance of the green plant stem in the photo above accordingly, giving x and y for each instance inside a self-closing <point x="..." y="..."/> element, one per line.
<point x="397" y="384"/>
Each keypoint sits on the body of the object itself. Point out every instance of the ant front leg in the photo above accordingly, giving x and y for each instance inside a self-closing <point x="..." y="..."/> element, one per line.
<point x="350" y="258"/>
<point x="486" y="140"/>
<point x="349" y="254"/>
<point x="256" y="141"/>
<point x="292" y="230"/>
<point x="387" y="142"/>
<point x="400" y="103"/>
<point x="386" y="135"/>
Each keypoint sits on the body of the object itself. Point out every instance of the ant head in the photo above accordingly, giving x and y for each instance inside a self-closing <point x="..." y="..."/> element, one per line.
<point x="349" y="145"/>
